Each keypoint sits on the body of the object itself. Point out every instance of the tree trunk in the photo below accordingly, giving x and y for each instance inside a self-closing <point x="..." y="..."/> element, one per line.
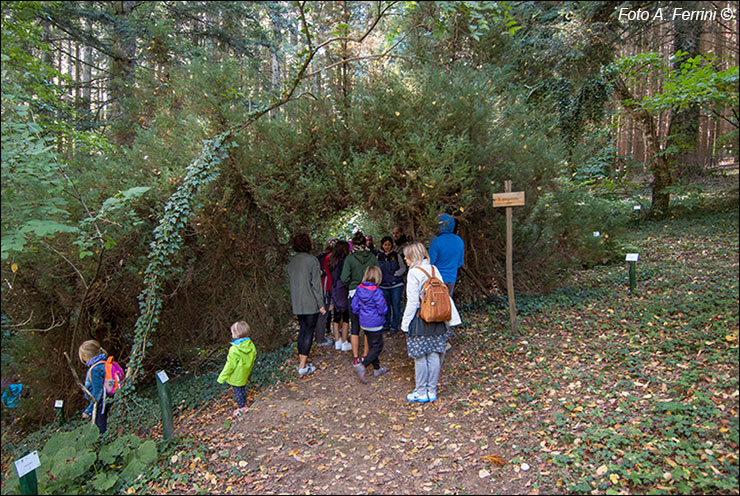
<point x="659" y="164"/>
<point x="683" y="133"/>
<point x="87" y="57"/>
<point x="122" y="76"/>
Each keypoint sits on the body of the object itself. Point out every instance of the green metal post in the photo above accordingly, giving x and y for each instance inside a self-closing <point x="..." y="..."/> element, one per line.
<point x="59" y="407"/>
<point x="632" y="276"/>
<point x="165" y="403"/>
<point x="28" y="483"/>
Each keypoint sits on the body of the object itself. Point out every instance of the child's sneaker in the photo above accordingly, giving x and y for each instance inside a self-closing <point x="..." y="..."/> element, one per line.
<point x="346" y="346"/>
<point x="360" y="369"/>
<point x="338" y="344"/>
<point x="380" y="371"/>
<point x="417" y="396"/>
<point x="355" y="360"/>
<point x="307" y="369"/>
<point x="432" y="397"/>
<point x="240" y="411"/>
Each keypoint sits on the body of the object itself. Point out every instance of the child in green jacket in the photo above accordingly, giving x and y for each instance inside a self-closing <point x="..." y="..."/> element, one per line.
<point x="239" y="364"/>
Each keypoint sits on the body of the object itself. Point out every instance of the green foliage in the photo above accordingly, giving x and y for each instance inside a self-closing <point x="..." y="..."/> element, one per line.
<point x="570" y="217"/>
<point x="78" y="462"/>
<point x="30" y="174"/>
<point x="695" y="82"/>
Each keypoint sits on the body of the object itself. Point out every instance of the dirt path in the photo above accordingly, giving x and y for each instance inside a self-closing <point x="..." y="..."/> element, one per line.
<point x="328" y="433"/>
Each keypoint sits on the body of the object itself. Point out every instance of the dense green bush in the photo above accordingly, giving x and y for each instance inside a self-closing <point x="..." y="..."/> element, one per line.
<point x="78" y="462"/>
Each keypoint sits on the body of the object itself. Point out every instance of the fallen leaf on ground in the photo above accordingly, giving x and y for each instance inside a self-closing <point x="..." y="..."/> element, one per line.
<point x="495" y="459"/>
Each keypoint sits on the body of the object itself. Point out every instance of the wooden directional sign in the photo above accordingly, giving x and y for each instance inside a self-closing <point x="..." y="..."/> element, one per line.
<point x="514" y="199"/>
<point x="509" y="199"/>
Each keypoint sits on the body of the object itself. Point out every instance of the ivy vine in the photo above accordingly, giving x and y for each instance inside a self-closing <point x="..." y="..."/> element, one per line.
<point x="168" y="241"/>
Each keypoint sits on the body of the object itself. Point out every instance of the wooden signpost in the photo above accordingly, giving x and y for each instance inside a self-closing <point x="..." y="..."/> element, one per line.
<point x="509" y="199"/>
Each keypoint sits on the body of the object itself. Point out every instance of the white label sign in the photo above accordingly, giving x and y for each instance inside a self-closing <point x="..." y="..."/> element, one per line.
<point x="597" y="234"/>
<point x="637" y="207"/>
<point x="27" y="464"/>
<point x="162" y="376"/>
<point x="632" y="257"/>
<point x="58" y="403"/>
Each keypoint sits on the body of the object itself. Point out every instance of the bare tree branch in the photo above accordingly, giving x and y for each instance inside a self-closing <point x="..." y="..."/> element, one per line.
<point x="82" y="386"/>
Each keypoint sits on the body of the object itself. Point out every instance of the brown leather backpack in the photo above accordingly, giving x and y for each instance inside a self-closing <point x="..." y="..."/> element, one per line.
<point x="434" y="305"/>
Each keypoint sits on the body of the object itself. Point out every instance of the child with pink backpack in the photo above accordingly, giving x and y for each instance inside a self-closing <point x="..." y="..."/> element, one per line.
<point x="102" y="380"/>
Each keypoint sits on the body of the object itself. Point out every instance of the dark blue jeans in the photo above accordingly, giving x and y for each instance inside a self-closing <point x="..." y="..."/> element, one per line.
<point x="240" y="394"/>
<point x="101" y="419"/>
<point x="393" y="301"/>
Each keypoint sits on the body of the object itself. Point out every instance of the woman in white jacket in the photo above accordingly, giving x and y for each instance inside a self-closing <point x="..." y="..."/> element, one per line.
<point x="425" y="340"/>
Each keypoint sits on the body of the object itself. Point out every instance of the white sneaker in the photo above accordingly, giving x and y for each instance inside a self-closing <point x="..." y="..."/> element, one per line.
<point x="417" y="396"/>
<point x="338" y="344"/>
<point x="346" y="346"/>
<point x="307" y="369"/>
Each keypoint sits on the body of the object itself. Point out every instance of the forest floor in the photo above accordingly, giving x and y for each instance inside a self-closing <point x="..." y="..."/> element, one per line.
<point x="604" y="392"/>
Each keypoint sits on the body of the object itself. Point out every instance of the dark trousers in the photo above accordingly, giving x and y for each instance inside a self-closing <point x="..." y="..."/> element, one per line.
<point x="101" y="418"/>
<point x="240" y="393"/>
<point x="323" y="323"/>
<point x="307" y="323"/>
<point x="393" y="302"/>
<point x="450" y="288"/>
<point x="375" y="343"/>
<point x="354" y="320"/>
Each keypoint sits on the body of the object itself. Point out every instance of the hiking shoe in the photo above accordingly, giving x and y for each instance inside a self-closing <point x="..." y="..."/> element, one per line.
<point x="355" y="360"/>
<point x="432" y="397"/>
<point x="360" y="369"/>
<point x="346" y="346"/>
<point x="417" y="396"/>
<point x="307" y="369"/>
<point x="380" y="371"/>
<point x="240" y="411"/>
<point x="325" y="342"/>
<point x="338" y="344"/>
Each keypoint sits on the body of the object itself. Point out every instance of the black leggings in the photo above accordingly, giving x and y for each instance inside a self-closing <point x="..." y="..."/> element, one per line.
<point x="341" y="316"/>
<point x="307" y="324"/>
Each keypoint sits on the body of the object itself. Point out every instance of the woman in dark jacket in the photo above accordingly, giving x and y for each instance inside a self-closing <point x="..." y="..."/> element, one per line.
<point x="339" y="296"/>
<point x="393" y="268"/>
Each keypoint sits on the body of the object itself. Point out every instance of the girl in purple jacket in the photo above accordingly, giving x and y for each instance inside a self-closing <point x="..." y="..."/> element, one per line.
<point x="369" y="304"/>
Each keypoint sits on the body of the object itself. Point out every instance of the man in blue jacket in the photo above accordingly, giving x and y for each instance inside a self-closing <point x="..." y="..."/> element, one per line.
<point x="447" y="251"/>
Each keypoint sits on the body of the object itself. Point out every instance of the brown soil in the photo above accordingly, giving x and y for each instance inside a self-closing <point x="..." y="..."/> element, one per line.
<point x="327" y="433"/>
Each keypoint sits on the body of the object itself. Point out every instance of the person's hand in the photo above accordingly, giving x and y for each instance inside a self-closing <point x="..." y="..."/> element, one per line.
<point x="85" y="416"/>
<point x="331" y="307"/>
<point x="322" y="310"/>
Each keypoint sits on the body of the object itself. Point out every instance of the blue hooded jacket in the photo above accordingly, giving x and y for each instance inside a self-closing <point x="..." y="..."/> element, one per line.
<point x="447" y="251"/>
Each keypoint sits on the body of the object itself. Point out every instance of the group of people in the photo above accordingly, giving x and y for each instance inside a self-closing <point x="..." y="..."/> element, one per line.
<point x="357" y="289"/>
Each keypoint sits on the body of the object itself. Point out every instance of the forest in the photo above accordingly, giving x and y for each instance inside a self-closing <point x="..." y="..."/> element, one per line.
<point x="158" y="156"/>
